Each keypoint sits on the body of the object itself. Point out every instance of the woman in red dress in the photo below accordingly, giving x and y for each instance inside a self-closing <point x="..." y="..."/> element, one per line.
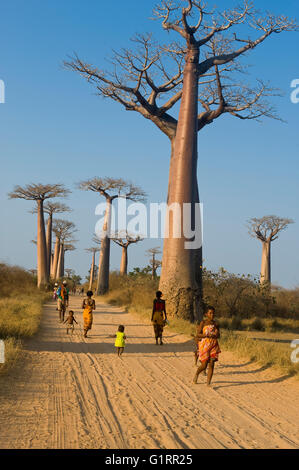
<point x="208" y="347"/>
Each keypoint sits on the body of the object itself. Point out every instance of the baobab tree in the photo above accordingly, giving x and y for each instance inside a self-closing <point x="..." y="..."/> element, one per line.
<point x="51" y="208"/>
<point x="124" y="239"/>
<point x="93" y="250"/>
<point x="200" y="70"/>
<point x="110" y="189"/>
<point x="63" y="230"/>
<point x="66" y="247"/>
<point x="266" y="229"/>
<point x="39" y="193"/>
<point x="155" y="263"/>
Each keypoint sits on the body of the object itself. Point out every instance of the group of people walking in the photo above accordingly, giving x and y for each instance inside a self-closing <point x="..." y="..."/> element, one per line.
<point x="206" y="338"/>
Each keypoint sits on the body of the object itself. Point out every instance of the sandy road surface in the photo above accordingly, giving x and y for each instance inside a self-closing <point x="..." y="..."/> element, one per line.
<point x="71" y="392"/>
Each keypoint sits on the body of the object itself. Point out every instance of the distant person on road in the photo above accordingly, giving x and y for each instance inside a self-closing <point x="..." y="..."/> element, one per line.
<point x="159" y="317"/>
<point x="208" y="348"/>
<point x="70" y="322"/>
<point x="55" y="291"/>
<point x="62" y="300"/>
<point x="120" y="340"/>
<point x="88" y="306"/>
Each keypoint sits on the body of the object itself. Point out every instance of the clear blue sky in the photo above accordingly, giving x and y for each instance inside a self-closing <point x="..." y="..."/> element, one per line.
<point x="54" y="129"/>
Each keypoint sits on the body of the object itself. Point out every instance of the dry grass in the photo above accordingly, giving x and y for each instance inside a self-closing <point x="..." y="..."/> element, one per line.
<point x="20" y="310"/>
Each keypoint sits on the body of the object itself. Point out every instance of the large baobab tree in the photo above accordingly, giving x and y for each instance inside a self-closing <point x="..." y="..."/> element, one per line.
<point x="201" y="70"/>
<point x="266" y="229"/>
<point x="154" y="262"/>
<point x="110" y="189"/>
<point x="39" y="193"/>
<point x="93" y="250"/>
<point x="124" y="239"/>
<point x="51" y="208"/>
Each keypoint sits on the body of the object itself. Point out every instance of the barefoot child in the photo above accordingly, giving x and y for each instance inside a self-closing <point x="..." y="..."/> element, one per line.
<point x="120" y="340"/>
<point x="70" y="322"/>
<point x="208" y="347"/>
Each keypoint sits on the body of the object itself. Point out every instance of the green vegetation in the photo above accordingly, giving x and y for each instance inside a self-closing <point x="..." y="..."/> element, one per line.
<point x="20" y="310"/>
<point x="229" y="294"/>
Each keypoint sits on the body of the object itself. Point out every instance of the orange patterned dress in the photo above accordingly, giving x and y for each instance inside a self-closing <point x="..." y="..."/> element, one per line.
<point x="208" y="348"/>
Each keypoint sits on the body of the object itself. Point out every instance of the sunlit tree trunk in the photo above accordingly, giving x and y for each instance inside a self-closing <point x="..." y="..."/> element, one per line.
<point x="104" y="261"/>
<point x="179" y="279"/>
<point x="59" y="273"/>
<point x="124" y="261"/>
<point x="49" y="243"/>
<point x="91" y="271"/>
<point x="266" y="264"/>
<point x="42" y="272"/>
<point x="55" y="259"/>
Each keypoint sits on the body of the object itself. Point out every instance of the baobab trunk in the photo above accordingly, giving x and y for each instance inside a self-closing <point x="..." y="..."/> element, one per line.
<point x="266" y="264"/>
<point x="49" y="243"/>
<point x="60" y="261"/>
<point x="55" y="259"/>
<point x="179" y="279"/>
<point x="91" y="272"/>
<point x="104" y="261"/>
<point x="42" y="273"/>
<point x="124" y="261"/>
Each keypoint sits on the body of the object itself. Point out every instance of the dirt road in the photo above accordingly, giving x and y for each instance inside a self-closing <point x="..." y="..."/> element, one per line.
<point x="71" y="392"/>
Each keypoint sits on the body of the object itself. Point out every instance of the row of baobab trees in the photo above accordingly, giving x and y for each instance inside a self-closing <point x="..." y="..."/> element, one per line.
<point x="50" y="265"/>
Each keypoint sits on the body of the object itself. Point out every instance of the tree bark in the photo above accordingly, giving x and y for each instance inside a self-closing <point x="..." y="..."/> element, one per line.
<point x="179" y="279"/>
<point x="124" y="261"/>
<point x="104" y="261"/>
<point x="60" y="261"/>
<point x="266" y="264"/>
<point x="42" y="272"/>
<point x="91" y="272"/>
<point x="49" y="243"/>
<point x="55" y="259"/>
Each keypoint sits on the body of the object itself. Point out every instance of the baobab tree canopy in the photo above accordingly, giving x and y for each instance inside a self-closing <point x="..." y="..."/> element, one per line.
<point x="267" y="228"/>
<point x="148" y="78"/>
<point x="38" y="192"/>
<point x="111" y="188"/>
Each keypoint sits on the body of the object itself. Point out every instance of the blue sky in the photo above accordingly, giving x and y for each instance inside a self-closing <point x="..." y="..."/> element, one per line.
<point x="54" y="129"/>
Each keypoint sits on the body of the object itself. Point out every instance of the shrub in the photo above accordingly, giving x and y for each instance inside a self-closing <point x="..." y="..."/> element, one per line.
<point x="236" y="324"/>
<point x="258" y="325"/>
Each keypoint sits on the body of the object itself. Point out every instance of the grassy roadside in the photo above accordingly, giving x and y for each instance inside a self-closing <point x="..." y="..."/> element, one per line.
<point x="19" y="318"/>
<point x="270" y="353"/>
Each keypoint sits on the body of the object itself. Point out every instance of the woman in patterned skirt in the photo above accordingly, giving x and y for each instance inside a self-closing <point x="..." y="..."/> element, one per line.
<point x="208" y="348"/>
<point x="88" y="305"/>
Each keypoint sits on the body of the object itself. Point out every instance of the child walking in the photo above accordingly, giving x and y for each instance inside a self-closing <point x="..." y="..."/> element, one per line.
<point x="208" y="347"/>
<point x="70" y="322"/>
<point x="120" y="340"/>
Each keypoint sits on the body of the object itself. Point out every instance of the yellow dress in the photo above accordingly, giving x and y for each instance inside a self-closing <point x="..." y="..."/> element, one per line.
<point x="120" y="340"/>
<point x="89" y="306"/>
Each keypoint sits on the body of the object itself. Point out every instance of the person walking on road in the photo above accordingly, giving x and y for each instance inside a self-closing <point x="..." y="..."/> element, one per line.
<point x="159" y="317"/>
<point x="208" y="347"/>
<point x="88" y="306"/>
<point x="62" y="300"/>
